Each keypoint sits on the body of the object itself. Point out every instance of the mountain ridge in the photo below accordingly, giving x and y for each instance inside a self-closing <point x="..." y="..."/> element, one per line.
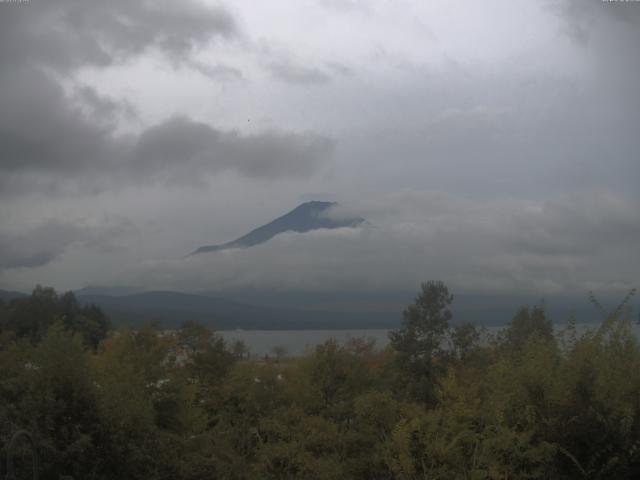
<point x="7" y="295"/>
<point x="305" y="217"/>
<point x="170" y="308"/>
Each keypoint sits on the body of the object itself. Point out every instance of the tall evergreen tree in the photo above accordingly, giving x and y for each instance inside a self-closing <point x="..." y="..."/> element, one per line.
<point x="418" y="342"/>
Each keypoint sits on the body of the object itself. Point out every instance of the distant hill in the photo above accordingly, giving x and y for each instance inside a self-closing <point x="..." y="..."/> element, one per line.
<point x="108" y="291"/>
<point x="10" y="295"/>
<point x="172" y="308"/>
<point x="318" y="311"/>
<point x="482" y="309"/>
<point x="304" y="218"/>
<point x="252" y="310"/>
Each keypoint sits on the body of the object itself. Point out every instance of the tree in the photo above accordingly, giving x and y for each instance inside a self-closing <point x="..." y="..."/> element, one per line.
<point x="464" y="338"/>
<point x="208" y="358"/>
<point x="526" y="323"/>
<point x="280" y="351"/>
<point x="32" y="316"/>
<point x="240" y="350"/>
<point x="425" y="322"/>
<point x="419" y="341"/>
<point x="88" y="320"/>
<point x="56" y="400"/>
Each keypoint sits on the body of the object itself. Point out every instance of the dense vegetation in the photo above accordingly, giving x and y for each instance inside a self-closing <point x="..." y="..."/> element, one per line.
<point x="438" y="403"/>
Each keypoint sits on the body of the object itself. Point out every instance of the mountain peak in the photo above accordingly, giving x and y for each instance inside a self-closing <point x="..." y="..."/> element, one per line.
<point x="304" y="218"/>
<point x="316" y="203"/>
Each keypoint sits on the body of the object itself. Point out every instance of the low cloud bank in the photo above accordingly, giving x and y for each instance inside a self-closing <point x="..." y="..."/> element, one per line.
<point x="564" y="245"/>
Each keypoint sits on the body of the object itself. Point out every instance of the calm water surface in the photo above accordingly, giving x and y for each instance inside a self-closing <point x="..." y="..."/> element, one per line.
<point x="299" y="342"/>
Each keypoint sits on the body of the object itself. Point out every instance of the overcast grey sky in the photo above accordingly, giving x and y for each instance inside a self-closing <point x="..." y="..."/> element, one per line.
<point x="494" y="145"/>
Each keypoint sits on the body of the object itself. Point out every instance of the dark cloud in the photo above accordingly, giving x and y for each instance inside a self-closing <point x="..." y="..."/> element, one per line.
<point x="274" y="153"/>
<point x="40" y="127"/>
<point x="36" y="247"/>
<point x="41" y="130"/>
<point x="216" y="71"/>
<point x="40" y="245"/>
<point x="297" y="74"/>
<point x="67" y="34"/>
<point x="62" y="143"/>
<point x="46" y="130"/>
<point x="184" y="149"/>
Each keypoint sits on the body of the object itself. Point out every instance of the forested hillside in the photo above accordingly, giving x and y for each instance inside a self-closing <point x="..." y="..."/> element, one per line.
<point x="439" y="402"/>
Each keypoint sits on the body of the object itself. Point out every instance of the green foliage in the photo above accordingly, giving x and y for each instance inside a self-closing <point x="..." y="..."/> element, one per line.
<point x="526" y="323"/>
<point x="157" y="405"/>
<point x="425" y="322"/>
<point x="48" y="390"/>
<point x="31" y="317"/>
<point x="419" y="341"/>
<point x="465" y="340"/>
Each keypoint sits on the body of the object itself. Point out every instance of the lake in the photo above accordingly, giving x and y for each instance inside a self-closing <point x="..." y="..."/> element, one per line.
<point x="299" y="342"/>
